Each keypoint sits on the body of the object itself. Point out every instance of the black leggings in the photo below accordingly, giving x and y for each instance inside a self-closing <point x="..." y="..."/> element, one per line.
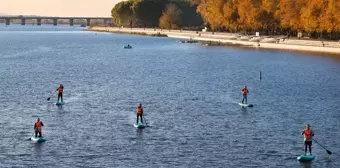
<point x="38" y="132"/>
<point x="141" y="118"/>
<point x="60" y="95"/>
<point x="309" y="144"/>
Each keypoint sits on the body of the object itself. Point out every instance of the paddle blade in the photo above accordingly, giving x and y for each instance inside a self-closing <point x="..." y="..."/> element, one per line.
<point x="48" y="99"/>
<point x="329" y="152"/>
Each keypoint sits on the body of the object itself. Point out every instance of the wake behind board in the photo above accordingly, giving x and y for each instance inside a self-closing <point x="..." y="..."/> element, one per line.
<point x="38" y="139"/>
<point x="59" y="103"/>
<point x="139" y="125"/>
<point x="245" y="105"/>
<point x="306" y="157"/>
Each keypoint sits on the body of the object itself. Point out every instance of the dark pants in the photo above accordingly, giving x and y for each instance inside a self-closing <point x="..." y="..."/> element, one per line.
<point x="309" y="144"/>
<point x="60" y="95"/>
<point x="244" y="98"/>
<point x="38" y="132"/>
<point x="141" y="117"/>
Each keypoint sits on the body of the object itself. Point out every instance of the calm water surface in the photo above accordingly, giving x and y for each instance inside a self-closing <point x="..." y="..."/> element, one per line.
<point x="190" y="95"/>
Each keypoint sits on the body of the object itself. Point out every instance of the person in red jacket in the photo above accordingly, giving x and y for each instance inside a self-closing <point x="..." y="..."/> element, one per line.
<point x="60" y="92"/>
<point x="37" y="127"/>
<point x="308" y="134"/>
<point x="245" y="91"/>
<point x="140" y="113"/>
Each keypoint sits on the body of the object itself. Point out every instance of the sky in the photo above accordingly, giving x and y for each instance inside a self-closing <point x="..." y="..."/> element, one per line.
<point x="93" y="8"/>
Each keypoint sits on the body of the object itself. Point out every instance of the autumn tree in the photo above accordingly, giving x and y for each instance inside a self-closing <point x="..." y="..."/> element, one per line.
<point x="310" y="15"/>
<point x="330" y="19"/>
<point x="171" y="17"/>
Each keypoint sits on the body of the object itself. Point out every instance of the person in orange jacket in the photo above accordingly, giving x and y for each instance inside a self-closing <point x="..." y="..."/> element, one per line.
<point x="308" y="134"/>
<point x="245" y="91"/>
<point x="37" y="128"/>
<point x="60" y="92"/>
<point x="140" y="113"/>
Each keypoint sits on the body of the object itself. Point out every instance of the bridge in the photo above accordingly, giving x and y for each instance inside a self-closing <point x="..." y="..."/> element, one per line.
<point x="55" y="19"/>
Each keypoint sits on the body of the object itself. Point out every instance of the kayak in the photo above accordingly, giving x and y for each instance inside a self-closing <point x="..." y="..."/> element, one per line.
<point x="127" y="47"/>
<point x="38" y="139"/>
<point x="245" y="105"/>
<point x="306" y="157"/>
<point x="59" y="103"/>
<point x="139" y="125"/>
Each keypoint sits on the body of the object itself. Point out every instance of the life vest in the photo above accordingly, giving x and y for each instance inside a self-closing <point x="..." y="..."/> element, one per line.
<point x="38" y="124"/>
<point x="245" y="91"/>
<point x="308" y="134"/>
<point x="60" y="90"/>
<point x="139" y="110"/>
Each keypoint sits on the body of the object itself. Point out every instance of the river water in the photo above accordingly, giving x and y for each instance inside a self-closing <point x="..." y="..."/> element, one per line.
<point x="190" y="95"/>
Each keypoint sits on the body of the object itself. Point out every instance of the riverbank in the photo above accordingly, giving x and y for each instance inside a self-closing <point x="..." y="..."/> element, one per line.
<point x="234" y="39"/>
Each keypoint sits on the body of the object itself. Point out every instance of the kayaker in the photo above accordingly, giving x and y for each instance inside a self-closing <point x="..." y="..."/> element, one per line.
<point x="308" y="134"/>
<point x="37" y="127"/>
<point x="140" y="113"/>
<point x="245" y="91"/>
<point x="60" y="92"/>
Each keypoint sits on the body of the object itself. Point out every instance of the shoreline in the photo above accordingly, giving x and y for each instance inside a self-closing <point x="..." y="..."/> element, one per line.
<point x="232" y="39"/>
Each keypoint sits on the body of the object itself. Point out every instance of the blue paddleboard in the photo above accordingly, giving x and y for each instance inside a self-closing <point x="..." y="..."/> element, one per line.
<point x="139" y="125"/>
<point x="306" y="157"/>
<point x="38" y="139"/>
<point x="59" y="103"/>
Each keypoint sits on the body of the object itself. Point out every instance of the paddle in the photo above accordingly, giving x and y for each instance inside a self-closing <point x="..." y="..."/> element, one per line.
<point x="31" y="136"/>
<point x="48" y="99"/>
<point x="329" y="152"/>
<point x="145" y="120"/>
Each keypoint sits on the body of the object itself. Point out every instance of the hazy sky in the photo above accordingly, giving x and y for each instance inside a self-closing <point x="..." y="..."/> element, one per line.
<point x="58" y="7"/>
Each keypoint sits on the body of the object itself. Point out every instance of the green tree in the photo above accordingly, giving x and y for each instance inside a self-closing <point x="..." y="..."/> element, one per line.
<point x="148" y="12"/>
<point x="122" y="13"/>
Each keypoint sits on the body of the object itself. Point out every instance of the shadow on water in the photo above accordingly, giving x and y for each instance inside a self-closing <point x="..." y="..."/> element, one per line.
<point x="306" y="164"/>
<point x="139" y="133"/>
<point x="244" y="110"/>
<point x="38" y="149"/>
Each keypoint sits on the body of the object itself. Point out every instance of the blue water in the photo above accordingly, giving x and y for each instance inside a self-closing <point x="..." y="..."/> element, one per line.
<point x="190" y="95"/>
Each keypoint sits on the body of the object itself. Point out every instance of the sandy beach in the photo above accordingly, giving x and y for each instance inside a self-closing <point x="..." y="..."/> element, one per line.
<point x="266" y="42"/>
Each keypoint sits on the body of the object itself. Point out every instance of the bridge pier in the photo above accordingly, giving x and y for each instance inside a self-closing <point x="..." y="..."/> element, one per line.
<point x="39" y="22"/>
<point x="23" y="21"/>
<point x="71" y="22"/>
<point x="55" y="22"/>
<point x="88" y="22"/>
<point x="8" y="21"/>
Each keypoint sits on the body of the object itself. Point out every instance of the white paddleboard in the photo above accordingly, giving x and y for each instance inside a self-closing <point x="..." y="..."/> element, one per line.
<point x="245" y="105"/>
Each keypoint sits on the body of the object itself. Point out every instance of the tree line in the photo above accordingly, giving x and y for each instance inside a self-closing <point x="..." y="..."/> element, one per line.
<point x="170" y="14"/>
<point x="317" y="18"/>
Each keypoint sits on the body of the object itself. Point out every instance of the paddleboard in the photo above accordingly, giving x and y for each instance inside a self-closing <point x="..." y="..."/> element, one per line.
<point x="306" y="157"/>
<point x="59" y="103"/>
<point x="139" y="125"/>
<point x="245" y="105"/>
<point x="38" y="139"/>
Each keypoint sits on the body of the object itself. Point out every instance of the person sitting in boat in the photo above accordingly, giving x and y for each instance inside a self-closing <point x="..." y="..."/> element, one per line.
<point x="140" y="113"/>
<point x="308" y="134"/>
<point x="245" y="91"/>
<point x="60" y="92"/>
<point x="37" y="128"/>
